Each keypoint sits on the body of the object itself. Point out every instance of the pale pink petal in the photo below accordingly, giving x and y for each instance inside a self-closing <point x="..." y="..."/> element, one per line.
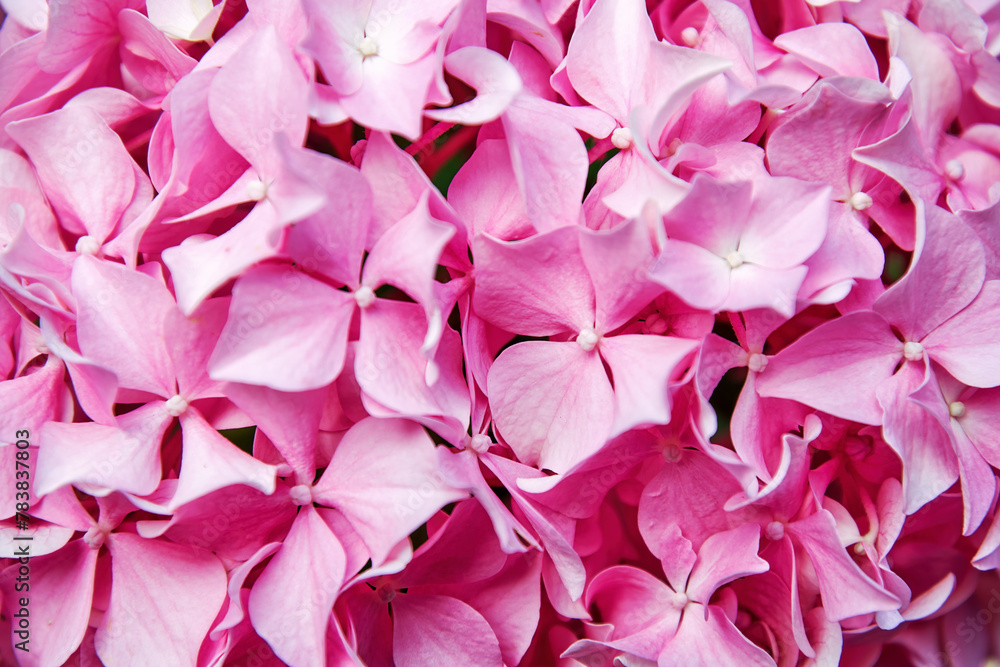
<point x="831" y="49"/>
<point x="264" y="70"/>
<point x="102" y="458"/>
<point x="301" y="582"/>
<point x="210" y="462"/>
<point x="61" y="595"/>
<point x="695" y="274"/>
<point x="495" y="80"/>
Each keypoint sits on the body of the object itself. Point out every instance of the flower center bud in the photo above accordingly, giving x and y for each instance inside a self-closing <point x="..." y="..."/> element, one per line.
<point x="956" y="409"/>
<point x="256" y="190"/>
<point x="94" y="537"/>
<point x="177" y="405"/>
<point x="480" y="443"/>
<point x="757" y="362"/>
<point x="678" y="601"/>
<point x="859" y="201"/>
<point x="364" y="296"/>
<point x="775" y="531"/>
<point x="672" y="453"/>
<point x="913" y="351"/>
<point x="690" y="36"/>
<point x="88" y="245"/>
<point x="735" y="259"/>
<point x="954" y="170"/>
<point x="301" y="494"/>
<point x="622" y="138"/>
<point x="42" y="348"/>
<point x="655" y="325"/>
<point x="368" y="46"/>
<point x="588" y="339"/>
<point x="386" y="593"/>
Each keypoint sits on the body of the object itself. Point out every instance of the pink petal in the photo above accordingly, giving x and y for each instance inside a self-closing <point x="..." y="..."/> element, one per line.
<point x="552" y="402"/>
<point x="183" y="589"/>
<point x="831" y="49"/>
<point x="495" y="80"/>
<point x="384" y="478"/>
<point x="286" y="330"/>
<point x="725" y="557"/>
<point x="846" y="590"/>
<point x="300" y="582"/>
<point x="120" y="325"/>
<point x="264" y="70"/>
<point x="65" y="171"/>
<point x="946" y="273"/>
<point x="929" y="463"/>
<point x="210" y="462"/>
<point x="836" y="367"/>
<point x="485" y="193"/>
<point x="695" y="274"/>
<point x="966" y="344"/>
<point x="62" y="590"/>
<point x="710" y="637"/>
<point x="536" y="287"/>
<point x="642" y="368"/>
<point x="433" y="629"/>
<point x="101" y="458"/>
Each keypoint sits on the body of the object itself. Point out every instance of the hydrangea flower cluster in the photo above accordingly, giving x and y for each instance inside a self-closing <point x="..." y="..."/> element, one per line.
<point x="499" y="332"/>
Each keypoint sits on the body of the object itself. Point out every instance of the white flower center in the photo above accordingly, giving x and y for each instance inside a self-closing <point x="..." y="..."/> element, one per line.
<point x="954" y="170"/>
<point x="480" y="443"/>
<point x="622" y="138"/>
<point x="364" y="296"/>
<point x="301" y="494"/>
<point x="757" y="362"/>
<point x="588" y="339"/>
<point x="913" y="351"/>
<point x="775" y="531"/>
<point x="368" y="46"/>
<point x="256" y="190"/>
<point x="177" y="405"/>
<point x="678" y="601"/>
<point x="735" y="259"/>
<point x="690" y="36"/>
<point x="672" y="453"/>
<point x="956" y="409"/>
<point x="94" y="537"/>
<point x="859" y="201"/>
<point x="88" y="245"/>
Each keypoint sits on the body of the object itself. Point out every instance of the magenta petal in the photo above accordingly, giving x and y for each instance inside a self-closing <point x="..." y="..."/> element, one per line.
<point x="439" y="630"/>
<point x="710" y="638"/>
<point x="836" y="367"/>
<point x="552" y="402"/>
<point x="286" y="330"/>
<point x="725" y="557"/>
<point x="929" y="463"/>
<point x="846" y="590"/>
<point x="384" y="478"/>
<point x="301" y="582"/>
<point x="966" y="344"/>
<point x="182" y="588"/>
<point x="945" y="275"/>
<point x="642" y="368"/>
<point x="637" y="604"/>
